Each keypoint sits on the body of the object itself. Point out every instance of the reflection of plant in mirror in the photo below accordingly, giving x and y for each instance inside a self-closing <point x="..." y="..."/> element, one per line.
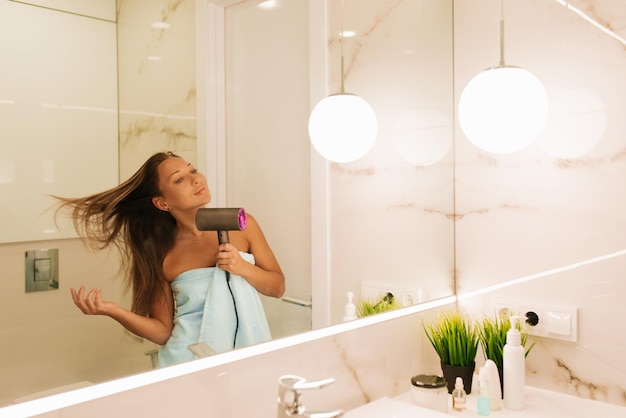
<point x="454" y="337"/>
<point x="367" y="307"/>
<point x="493" y="337"/>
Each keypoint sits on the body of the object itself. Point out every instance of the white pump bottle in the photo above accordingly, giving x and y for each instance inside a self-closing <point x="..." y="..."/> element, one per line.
<point x="349" y="313"/>
<point x="514" y="368"/>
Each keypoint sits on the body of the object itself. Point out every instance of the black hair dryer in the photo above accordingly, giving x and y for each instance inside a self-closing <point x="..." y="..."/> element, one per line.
<point x="221" y="220"/>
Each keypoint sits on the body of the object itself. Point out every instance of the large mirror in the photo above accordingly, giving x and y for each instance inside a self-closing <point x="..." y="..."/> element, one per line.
<point x="230" y="87"/>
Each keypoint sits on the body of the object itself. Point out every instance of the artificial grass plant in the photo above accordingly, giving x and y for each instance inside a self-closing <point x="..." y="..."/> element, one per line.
<point x="455" y="338"/>
<point x="493" y="337"/>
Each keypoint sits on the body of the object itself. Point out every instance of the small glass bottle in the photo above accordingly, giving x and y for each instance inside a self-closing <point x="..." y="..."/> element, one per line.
<point x="484" y="395"/>
<point x="459" y="397"/>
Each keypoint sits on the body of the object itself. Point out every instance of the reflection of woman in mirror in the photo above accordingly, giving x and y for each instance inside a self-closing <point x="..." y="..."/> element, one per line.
<point x="180" y="291"/>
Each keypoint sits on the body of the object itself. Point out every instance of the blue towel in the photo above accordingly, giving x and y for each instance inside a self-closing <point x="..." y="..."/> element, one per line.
<point x="205" y="313"/>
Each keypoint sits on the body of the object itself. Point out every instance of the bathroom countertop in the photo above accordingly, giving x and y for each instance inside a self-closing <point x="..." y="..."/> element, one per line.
<point x="541" y="403"/>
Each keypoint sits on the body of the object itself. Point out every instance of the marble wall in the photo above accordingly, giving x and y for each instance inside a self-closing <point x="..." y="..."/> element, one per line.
<point x="154" y="87"/>
<point x="60" y="133"/>
<point x="393" y="208"/>
<point x="542" y="225"/>
<point x="545" y="224"/>
<point x="157" y="81"/>
<point x="58" y="116"/>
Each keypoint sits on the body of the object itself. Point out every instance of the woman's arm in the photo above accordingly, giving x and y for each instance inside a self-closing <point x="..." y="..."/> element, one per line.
<point x="156" y="328"/>
<point x="266" y="275"/>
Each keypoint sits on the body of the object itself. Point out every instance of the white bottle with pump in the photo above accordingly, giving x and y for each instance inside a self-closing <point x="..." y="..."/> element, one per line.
<point x="514" y="368"/>
<point x="349" y="313"/>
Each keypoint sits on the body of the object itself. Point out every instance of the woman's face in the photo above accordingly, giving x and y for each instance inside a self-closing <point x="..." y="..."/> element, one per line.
<point x="182" y="186"/>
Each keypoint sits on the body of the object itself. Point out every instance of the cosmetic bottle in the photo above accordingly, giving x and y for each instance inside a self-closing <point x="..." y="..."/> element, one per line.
<point x="514" y="368"/>
<point x="495" y="389"/>
<point x="459" y="397"/>
<point x="349" y="312"/>
<point x="484" y="396"/>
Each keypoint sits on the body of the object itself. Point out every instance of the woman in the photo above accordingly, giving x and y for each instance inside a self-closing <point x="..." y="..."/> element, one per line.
<point x="180" y="295"/>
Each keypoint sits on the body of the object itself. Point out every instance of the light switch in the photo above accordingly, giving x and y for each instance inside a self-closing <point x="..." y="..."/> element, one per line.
<point x="558" y="322"/>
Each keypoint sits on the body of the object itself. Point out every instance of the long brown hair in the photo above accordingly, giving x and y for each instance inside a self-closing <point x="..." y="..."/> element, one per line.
<point x="125" y="217"/>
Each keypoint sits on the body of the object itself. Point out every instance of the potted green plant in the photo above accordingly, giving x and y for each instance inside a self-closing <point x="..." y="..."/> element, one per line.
<point x="455" y="338"/>
<point x="492" y="332"/>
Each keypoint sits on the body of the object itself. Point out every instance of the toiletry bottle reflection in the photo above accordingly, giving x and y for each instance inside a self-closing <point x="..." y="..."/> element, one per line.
<point x="349" y="311"/>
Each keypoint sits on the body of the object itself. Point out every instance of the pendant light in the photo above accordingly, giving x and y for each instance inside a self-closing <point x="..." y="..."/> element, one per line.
<point x="576" y="124"/>
<point x="422" y="137"/>
<point x="342" y="126"/>
<point x="504" y="108"/>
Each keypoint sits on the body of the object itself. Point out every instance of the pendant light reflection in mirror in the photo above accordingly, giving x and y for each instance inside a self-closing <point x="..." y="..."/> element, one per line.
<point x="343" y="126"/>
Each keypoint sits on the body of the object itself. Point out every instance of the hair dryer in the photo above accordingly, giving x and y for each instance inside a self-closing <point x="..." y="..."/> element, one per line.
<point x="221" y="220"/>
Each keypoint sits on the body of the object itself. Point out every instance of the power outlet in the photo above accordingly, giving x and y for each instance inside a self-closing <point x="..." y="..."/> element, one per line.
<point x="406" y="295"/>
<point x="558" y="322"/>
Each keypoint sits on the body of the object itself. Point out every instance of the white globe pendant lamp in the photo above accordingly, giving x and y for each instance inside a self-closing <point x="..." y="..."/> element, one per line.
<point x="343" y="126"/>
<point x="504" y="108"/>
<point x="576" y="124"/>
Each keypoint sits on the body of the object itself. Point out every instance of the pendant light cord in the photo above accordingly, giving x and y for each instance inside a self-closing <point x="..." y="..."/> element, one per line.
<point x="342" y="90"/>
<point x="501" y="33"/>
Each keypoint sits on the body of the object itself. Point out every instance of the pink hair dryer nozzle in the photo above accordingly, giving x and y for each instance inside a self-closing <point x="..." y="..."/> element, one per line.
<point x="221" y="220"/>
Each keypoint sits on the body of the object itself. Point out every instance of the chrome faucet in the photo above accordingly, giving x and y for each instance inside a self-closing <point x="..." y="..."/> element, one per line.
<point x="290" y="398"/>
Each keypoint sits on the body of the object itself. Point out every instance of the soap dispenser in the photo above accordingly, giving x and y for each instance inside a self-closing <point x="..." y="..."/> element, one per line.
<point x="514" y="368"/>
<point x="349" y="313"/>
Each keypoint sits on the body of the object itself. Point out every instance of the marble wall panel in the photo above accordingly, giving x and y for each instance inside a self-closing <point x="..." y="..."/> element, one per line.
<point x="391" y="210"/>
<point x="58" y="114"/>
<point x="545" y="225"/>
<point x="157" y="80"/>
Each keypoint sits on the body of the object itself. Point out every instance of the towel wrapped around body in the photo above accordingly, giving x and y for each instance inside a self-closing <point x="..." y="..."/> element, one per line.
<point x="205" y="314"/>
